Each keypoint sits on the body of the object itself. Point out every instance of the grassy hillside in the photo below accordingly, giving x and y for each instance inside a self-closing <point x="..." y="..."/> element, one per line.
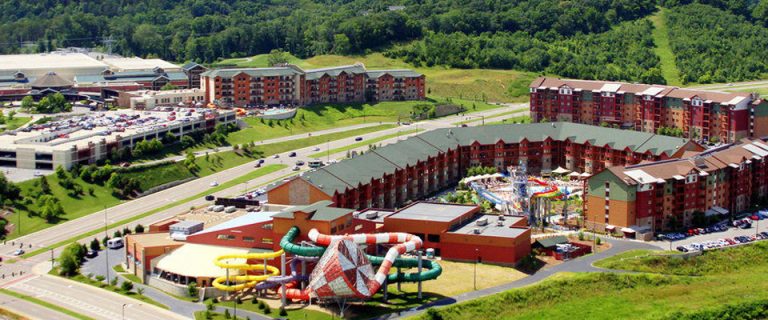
<point x="729" y="284"/>
<point x="663" y="49"/>
<point x="496" y="85"/>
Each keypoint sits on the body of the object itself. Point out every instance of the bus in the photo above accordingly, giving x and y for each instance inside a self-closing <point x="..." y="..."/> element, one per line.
<point x="315" y="163"/>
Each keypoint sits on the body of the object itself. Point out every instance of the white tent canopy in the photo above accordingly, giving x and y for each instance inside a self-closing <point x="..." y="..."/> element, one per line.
<point x="574" y="174"/>
<point x="561" y="170"/>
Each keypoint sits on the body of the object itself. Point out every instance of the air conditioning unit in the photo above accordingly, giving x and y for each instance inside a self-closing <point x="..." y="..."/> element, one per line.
<point x="500" y="223"/>
<point x="482" y="221"/>
<point x="476" y="231"/>
<point x="371" y="215"/>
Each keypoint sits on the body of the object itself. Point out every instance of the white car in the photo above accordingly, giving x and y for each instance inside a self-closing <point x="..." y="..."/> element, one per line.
<point x="214" y="184"/>
<point x="18" y="252"/>
<point x="296" y="168"/>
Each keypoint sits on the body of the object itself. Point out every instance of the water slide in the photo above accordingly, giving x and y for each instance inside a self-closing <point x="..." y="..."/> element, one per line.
<point x="403" y="243"/>
<point x="245" y="281"/>
<point x="552" y="190"/>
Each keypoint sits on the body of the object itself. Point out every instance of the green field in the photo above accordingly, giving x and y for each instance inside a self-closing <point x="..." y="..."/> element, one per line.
<point x="363" y="143"/>
<point x="15" y="123"/>
<point x="293" y="313"/>
<point x="663" y="49"/>
<point x="518" y="119"/>
<point x="721" y="284"/>
<point x="473" y="84"/>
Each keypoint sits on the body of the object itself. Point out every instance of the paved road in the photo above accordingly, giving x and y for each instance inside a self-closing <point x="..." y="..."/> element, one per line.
<point x="30" y="310"/>
<point x="66" y="230"/>
<point x="582" y="264"/>
<point x="757" y="226"/>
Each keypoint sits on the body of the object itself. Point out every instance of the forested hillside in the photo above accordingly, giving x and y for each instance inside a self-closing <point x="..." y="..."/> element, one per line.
<point x="712" y="40"/>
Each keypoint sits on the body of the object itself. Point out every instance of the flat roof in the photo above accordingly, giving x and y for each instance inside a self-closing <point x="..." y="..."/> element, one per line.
<point x="48" y="61"/>
<point x="249" y="218"/>
<point x="380" y="215"/>
<point x="153" y="239"/>
<point x="136" y="63"/>
<point x="437" y="212"/>
<point x="492" y="229"/>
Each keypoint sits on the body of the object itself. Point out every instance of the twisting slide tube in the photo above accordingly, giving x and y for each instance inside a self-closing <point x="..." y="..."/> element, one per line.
<point x="406" y="242"/>
<point x="245" y="281"/>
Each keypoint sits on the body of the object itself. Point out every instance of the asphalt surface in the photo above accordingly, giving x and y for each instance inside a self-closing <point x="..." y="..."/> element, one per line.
<point x="90" y="298"/>
<point x="29" y="310"/>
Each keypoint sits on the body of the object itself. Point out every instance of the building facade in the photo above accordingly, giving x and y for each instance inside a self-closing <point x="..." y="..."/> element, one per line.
<point x="668" y="195"/>
<point x="699" y="114"/>
<point x="291" y="85"/>
<point x="396" y="174"/>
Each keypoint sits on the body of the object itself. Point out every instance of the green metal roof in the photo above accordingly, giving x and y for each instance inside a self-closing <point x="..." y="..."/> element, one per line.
<point x="395" y="73"/>
<point x="335" y="71"/>
<point x="387" y="159"/>
<point x="319" y="211"/>
<point x="552" y="241"/>
<point x="253" y="72"/>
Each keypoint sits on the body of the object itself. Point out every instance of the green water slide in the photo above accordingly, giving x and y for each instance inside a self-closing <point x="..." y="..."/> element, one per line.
<point x="433" y="269"/>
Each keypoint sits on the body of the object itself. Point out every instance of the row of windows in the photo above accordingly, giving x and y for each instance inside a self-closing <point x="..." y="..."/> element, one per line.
<point x="245" y="238"/>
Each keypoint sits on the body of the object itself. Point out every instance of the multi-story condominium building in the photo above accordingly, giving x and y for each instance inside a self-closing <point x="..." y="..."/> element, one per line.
<point x="395" y="174"/>
<point x="291" y="85"/>
<point x="667" y="195"/>
<point x="700" y="114"/>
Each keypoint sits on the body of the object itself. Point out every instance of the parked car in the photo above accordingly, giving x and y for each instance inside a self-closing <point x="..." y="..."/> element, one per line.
<point x="296" y="168"/>
<point x="359" y="139"/>
<point x="682" y="249"/>
<point x="292" y="154"/>
<point x="214" y="184"/>
<point x="276" y="156"/>
<point x="316" y="149"/>
<point x="18" y="252"/>
<point x="209" y="197"/>
<point x="299" y="163"/>
<point x="91" y="253"/>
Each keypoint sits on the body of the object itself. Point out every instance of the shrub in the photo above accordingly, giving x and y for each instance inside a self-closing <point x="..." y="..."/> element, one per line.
<point x="581" y="236"/>
<point x="113" y="282"/>
<point x="209" y="305"/>
<point x="139" y="228"/>
<point x="126" y="286"/>
<point x="238" y="300"/>
<point x="433" y="314"/>
<point x="226" y="314"/>
<point x="598" y="241"/>
<point x="254" y="300"/>
<point x="262" y="305"/>
<point x="207" y="315"/>
<point x="99" y="278"/>
<point x="282" y="312"/>
<point x="267" y="310"/>
<point x="192" y="289"/>
<point x="140" y="291"/>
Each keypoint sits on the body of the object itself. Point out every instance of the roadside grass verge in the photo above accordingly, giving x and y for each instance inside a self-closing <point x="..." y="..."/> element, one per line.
<point x="15" y="123"/>
<point x="44" y="304"/>
<point x="249" y="176"/>
<point x="292" y="312"/>
<point x="479" y="119"/>
<point x="364" y="143"/>
<point x="518" y="119"/>
<point x="107" y="286"/>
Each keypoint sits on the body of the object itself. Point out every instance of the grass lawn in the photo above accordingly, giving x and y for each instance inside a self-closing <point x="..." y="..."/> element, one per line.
<point x="480" y="119"/>
<point x="663" y="49"/>
<point x="457" y="278"/>
<point x="248" y="176"/>
<point x="518" y="119"/>
<point x="729" y="283"/>
<point x="200" y="315"/>
<point x="295" y="312"/>
<point x="128" y="276"/>
<point x="44" y="304"/>
<point x="494" y="85"/>
<point x="15" y="123"/>
<point x="363" y="143"/>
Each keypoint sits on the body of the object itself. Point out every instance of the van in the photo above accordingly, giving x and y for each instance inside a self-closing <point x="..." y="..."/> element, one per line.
<point x="315" y="163"/>
<point x="115" y="243"/>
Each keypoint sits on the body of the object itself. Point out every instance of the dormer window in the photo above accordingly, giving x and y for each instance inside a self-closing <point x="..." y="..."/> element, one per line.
<point x="691" y="178"/>
<point x="531" y="90"/>
<point x="648" y="97"/>
<point x="696" y="102"/>
<point x="607" y="94"/>
<point x="19" y="76"/>
<point x="566" y="90"/>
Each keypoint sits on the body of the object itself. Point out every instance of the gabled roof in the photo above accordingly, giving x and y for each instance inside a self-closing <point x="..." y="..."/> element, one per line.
<point x="250" y="218"/>
<point x="729" y="98"/>
<point x="253" y="72"/>
<point x="374" y="164"/>
<point x="190" y="65"/>
<point x="402" y="73"/>
<point x="51" y="80"/>
<point x="319" y="211"/>
<point x="334" y="71"/>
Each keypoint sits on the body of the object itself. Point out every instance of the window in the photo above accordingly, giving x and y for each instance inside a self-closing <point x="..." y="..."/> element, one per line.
<point x="225" y="237"/>
<point x="433" y="238"/>
<point x="696" y="102"/>
<point x="266" y="241"/>
<point x="248" y="239"/>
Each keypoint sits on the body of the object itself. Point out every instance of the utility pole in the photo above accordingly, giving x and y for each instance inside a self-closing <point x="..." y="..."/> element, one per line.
<point x="52" y="259"/>
<point x="108" y="41"/>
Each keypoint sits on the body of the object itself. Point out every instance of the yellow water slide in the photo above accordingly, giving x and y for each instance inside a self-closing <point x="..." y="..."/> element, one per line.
<point x="240" y="282"/>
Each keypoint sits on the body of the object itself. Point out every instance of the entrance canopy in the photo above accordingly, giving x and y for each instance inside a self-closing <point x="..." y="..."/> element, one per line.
<point x="561" y="170"/>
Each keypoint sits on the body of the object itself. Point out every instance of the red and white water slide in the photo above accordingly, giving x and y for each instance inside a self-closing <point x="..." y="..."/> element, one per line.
<point x="343" y="271"/>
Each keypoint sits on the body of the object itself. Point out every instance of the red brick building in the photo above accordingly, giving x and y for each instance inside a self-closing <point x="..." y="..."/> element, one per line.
<point x="393" y="175"/>
<point x="699" y="114"/>
<point x="291" y="85"/>
<point x="667" y="195"/>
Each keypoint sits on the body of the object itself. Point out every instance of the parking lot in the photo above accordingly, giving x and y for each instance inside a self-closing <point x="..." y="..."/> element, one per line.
<point x="732" y="232"/>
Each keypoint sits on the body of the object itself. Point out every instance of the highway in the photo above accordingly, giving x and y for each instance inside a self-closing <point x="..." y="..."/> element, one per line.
<point x="36" y="285"/>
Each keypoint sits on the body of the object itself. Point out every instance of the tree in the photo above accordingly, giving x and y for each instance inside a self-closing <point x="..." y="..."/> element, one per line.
<point x="27" y="104"/>
<point x="187" y="142"/>
<point x="341" y="44"/>
<point x="192" y="289"/>
<point x="54" y="103"/>
<point x="168" y="86"/>
<point x="11" y="115"/>
<point x="189" y="162"/>
<point x="95" y="245"/>
<point x="277" y="56"/>
<point x="70" y="259"/>
<point x="117" y="234"/>
<point x="126" y="286"/>
<point x="60" y="172"/>
<point x="45" y="188"/>
<point x="139" y="228"/>
<point x="50" y="208"/>
<point x="226" y="314"/>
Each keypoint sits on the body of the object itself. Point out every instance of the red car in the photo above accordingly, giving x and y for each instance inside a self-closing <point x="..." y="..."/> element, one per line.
<point x="754" y="218"/>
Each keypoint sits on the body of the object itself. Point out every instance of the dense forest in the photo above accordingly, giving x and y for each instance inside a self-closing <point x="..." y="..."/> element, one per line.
<point x="713" y="40"/>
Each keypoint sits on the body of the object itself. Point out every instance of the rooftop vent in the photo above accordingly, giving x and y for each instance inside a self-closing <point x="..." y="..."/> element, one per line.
<point x="500" y="223"/>
<point x="476" y="231"/>
<point x="482" y="221"/>
<point x="371" y="215"/>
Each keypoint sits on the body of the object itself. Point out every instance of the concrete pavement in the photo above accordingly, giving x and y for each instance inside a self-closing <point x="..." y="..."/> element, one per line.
<point x="30" y="310"/>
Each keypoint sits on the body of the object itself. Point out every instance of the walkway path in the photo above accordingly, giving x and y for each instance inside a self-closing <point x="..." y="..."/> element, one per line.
<point x="582" y="264"/>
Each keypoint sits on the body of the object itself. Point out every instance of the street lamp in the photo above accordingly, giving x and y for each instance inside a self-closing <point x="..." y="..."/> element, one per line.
<point x="51" y="258"/>
<point x="123" y="311"/>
